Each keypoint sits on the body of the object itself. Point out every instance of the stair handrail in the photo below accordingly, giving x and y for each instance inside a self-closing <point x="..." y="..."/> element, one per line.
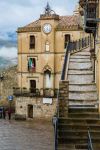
<point x="55" y="123"/>
<point x="90" y="145"/>
<point x="65" y="61"/>
<point x="71" y="47"/>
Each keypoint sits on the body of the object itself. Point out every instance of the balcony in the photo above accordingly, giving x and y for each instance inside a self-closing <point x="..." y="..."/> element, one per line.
<point x="35" y="92"/>
<point x="90" y="2"/>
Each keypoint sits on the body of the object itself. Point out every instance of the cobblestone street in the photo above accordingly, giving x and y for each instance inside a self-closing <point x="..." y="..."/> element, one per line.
<point x="29" y="135"/>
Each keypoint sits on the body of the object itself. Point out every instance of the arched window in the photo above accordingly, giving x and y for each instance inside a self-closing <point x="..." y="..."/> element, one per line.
<point x="47" y="79"/>
<point x="67" y="39"/>
<point x="31" y="64"/>
<point x="47" y="47"/>
<point x="32" y="42"/>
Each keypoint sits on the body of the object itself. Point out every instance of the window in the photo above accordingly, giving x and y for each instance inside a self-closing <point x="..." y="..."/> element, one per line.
<point x="47" y="48"/>
<point x="32" y="86"/>
<point x="67" y="39"/>
<point x="31" y="64"/>
<point x="32" y="42"/>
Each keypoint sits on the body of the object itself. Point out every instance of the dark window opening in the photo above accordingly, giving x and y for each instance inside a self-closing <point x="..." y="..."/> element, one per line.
<point x="67" y="39"/>
<point x="31" y="64"/>
<point x="32" y="86"/>
<point x="32" y="42"/>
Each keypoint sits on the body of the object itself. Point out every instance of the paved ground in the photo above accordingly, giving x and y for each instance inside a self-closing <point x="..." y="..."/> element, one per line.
<point x="29" y="135"/>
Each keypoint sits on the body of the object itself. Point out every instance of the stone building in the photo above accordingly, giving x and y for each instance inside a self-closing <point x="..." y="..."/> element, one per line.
<point x="41" y="49"/>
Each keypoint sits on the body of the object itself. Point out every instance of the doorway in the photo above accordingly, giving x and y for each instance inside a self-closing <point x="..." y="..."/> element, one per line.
<point x="32" y="86"/>
<point x="30" y="111"/>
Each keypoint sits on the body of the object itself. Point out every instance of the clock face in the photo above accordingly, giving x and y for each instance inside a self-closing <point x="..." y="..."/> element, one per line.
<point x="47" y="28"/>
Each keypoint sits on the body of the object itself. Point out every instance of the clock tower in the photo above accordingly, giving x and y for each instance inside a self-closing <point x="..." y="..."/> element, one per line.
<point x="49" y="21"/>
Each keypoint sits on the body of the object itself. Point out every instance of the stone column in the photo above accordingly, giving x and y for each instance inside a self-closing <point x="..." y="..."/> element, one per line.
<point x="63" y="98"/>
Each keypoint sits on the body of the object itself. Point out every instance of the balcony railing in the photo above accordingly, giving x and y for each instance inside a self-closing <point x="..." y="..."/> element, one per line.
<point x="48" y="92"/>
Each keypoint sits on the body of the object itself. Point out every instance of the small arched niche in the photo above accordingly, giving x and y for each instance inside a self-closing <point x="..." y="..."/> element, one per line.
<point x="47" y="79"/>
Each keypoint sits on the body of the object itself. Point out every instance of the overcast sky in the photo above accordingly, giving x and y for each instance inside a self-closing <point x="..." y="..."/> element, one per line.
<point x="17" y="13"/>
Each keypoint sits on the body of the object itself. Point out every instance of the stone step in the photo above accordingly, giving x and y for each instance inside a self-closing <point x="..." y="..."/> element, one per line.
<point x="82" y="96"/>
<point x="79" y="57"/>
<point x="79" y="121"/>
<point x="96" y="146"/>
<point x="80" y="72"/>
<point x="72" y="147"/>
<point x="80" y="60"/>
<point x="84" y="53"/>
<point x="93" y="103"/>
<point x="80" y="133"/>
<point x="76" y="140"/>
<point x="83" y="115"/>
<point x="78" y="126"/>
<point x="80" y="79"/>
<point x="82" y="110"/>
<point x="79" y="87"/>
<point x="66" y="147"/>
<point x="82" y="91"/>
<point x="83" y="106"/>
<point x="81" y="146"/>
<point x="75" y="65"/>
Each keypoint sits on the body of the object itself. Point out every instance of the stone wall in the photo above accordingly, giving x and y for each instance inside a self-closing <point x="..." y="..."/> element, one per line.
<point x="63" y="98"/>
<point x="40" y="110"/>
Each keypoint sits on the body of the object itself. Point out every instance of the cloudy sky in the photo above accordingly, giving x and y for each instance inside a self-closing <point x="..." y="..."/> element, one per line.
<point x="16" y="13"/>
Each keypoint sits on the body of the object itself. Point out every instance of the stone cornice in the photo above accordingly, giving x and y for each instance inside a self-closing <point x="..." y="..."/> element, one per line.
<point x="29" y="29"/>
<point x="59" y="28"/>
<point x="68" y="28"/>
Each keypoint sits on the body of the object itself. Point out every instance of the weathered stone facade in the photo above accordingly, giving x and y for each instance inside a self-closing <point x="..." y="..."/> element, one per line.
<point x="40" y="109"/>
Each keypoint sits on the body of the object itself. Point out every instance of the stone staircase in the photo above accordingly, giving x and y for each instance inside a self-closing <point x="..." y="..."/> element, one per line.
<point x="73" y="131"/>
<point x="82" y="89"/>
<point x="83" y="113"/>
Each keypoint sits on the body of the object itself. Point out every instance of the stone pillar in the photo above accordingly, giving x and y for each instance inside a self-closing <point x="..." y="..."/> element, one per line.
<point x="63" y="98"/>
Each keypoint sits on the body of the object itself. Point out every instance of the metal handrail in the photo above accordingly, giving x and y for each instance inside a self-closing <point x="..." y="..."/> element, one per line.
<point x="55" y="123"/>
<point x="90" y="145"/>
<point x="73" y="46"/>
<point x="65" y="62"/>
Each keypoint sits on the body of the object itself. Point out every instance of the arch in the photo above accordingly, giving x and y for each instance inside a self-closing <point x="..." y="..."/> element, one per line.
<point x="47" y="67"/>
<point x="47" y="79"/>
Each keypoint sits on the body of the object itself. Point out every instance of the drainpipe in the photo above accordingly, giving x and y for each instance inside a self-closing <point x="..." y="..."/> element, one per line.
<point x="94" y="35"/>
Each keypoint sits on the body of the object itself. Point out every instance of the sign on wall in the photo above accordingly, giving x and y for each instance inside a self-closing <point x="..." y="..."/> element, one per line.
<point x="47" y="100"/>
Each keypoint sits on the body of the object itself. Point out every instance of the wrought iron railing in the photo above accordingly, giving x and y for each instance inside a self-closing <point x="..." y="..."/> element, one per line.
<point x="33" y="92"/>
<point x="90" y="145"/>
<point x="72" y="47"/>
